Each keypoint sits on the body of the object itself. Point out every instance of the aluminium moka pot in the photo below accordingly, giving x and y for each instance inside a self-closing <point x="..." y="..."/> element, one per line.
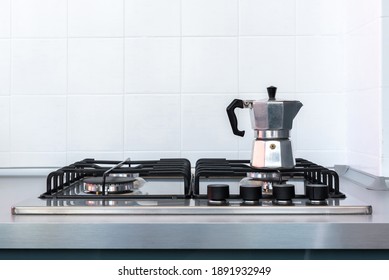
<point x="271" y="121"/>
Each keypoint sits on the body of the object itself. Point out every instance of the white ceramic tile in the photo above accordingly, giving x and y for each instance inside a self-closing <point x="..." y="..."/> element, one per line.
<point x="38" y="123"/>
<point x="384" y="121"/>
<point x="319" y="17"/>
<point x="205" y="125"/>
<point x="95" y="18"/>
<point x="363" y="130"/>
<point x="321" y="122"/>
<point x="262" y="17"/>
<point x="385" y="8"/>
<point x="266" y="61"/>
<point x="5" y="159"/>
<point x="152" y="122"/>
<point x="385" y="167"/>
<point x="384" y="51"/>
<point x="326" y="158"/>
<point x="152" y="65"/>
<point x="5" y="63"/>
<point x="319" y="64"/>
<point x="96" y="65"/>
<point x="95" y="123"/>
<point x="246" y="155"/>
<point x="209" y="17"/>
<point x="360" y="12"/>
<point x="209" y="65"/>
<point x="5" y="18"/>
<point x="4" y="124"/>
<point x="152" y="17"/>
<point x="194" y="156"/>
<point x="98" y="155"/>
<point x="363" y="57"/>
<point x="39" y="66"/>
<point x="151" y="155"/>
<point x="364" y="122"/>
<point x="39" y="18"/>
<point x="366" y="163"/>
<point x="41" y="159"/>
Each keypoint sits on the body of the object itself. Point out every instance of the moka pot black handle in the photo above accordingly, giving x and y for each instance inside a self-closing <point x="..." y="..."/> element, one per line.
<point x="236" y="103"/>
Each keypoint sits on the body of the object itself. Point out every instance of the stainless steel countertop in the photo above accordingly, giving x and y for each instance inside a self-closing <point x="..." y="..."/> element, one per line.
<point x="191" y="232"/>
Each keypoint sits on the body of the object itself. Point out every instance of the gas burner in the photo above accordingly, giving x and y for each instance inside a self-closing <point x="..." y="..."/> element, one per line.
<point x="113" y="185"/>
<point x="265" y="176"/>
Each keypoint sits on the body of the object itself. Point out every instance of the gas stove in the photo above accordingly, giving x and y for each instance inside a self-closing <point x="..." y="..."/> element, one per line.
<point x="215" y="186"/>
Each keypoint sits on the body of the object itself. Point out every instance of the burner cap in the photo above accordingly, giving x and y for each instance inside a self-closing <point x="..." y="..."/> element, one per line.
<point x="112" y="184"/>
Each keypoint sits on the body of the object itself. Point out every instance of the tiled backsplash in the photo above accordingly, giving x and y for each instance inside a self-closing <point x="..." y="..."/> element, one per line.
<point x="152" y="78"/>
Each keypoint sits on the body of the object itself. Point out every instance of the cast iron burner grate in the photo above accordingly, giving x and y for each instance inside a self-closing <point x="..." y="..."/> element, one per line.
<point x="62" y="179"/>
<point x="304" y="170"/>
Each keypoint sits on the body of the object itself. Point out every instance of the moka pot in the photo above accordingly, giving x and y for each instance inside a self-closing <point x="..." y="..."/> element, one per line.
<point x="271" y="121"/>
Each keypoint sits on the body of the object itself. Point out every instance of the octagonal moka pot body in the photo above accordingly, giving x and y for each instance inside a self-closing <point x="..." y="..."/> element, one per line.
<point x="271" y="121"/>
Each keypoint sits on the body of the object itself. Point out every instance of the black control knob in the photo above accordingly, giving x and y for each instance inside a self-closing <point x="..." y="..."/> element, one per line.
<point x="283" y="193"/>
<point x="271" y="92"/>
<point x="316" y="192"/>
<point x="218" y="192"/>
<point x="250" y="193"/>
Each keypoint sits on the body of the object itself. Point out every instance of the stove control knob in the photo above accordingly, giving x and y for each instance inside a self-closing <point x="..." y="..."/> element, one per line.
<point x="283" y="192"/>
<point x="250" y="193"/>
<point x="316" y="192"/>
<point x="218" y="192"/>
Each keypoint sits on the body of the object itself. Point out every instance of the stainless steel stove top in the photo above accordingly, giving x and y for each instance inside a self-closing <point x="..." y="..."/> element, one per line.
<point x="168" y="195"/>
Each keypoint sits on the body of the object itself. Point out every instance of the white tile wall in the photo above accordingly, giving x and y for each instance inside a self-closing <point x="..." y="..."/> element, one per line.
<point x="209" y="17"/>
<point x="385" y="89"/>
<point x="152" y="122"/>
<point x="255" y="53"/>
<point x="5" y="18"/>
<point x="205" y="115"/>
<point x="95" y="123"/>
<point x="95" y="65"/>
<point x="151" y="155"/>
<point x="152" y="65"/>
<point x="152" y="17"/>
<point x="5" y="159"/>
<point x="4" y="124"/>
<point x="38" y="159"/>
<point x="385" y="8"/>
<point x="361" y="12"/>
<point x="209" y="65"/>
<point x="95" y="18"/>
<point x="325" y="17"/>
<point x="365" y="118"/>
<point x="319" y="62"/>
<point x="77" y="156"/>
<point x="39" y="66"/>
<point x="5" y="63"/>
<point x="262" y="17"/>
<point x="368" y="163"/>
<point x="163" y="72"/>
<point x="31" y="114"/>
<point x="363" y="56"/>
<point x="39" y="18"/>
<point x="316" y="126"/>
<point x="385" y="128"/>
<point x="385" y="53"/>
